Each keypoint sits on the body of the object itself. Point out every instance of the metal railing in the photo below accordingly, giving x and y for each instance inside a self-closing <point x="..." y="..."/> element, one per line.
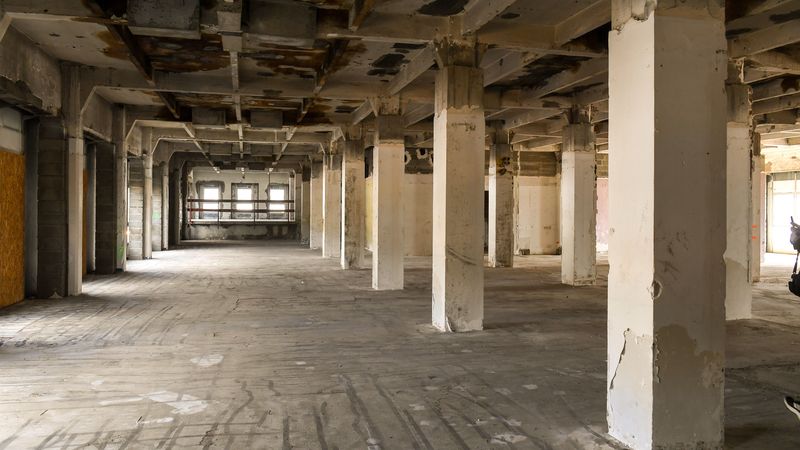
<point x="240" y="211"/>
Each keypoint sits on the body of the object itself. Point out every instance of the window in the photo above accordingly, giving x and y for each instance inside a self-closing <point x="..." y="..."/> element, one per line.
<point x="277" y="194"/>
<point x="244" y="193"/>
<point x="210" y="193"/>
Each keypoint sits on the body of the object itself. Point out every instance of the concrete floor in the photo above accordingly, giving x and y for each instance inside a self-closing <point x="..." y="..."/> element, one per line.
<point x="267" y="345"/>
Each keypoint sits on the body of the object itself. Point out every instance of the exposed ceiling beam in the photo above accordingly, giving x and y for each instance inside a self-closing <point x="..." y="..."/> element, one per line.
<point x="418" y="65"/>
<point x="777" y="104"/>
<point x="508" y="65"/>
<point x="479" y="13"/>
<point x="768" y="16"/>
<point x="359" y="12"/>
<point x="776" y="61"/>
<point x="765" y="39"/>
<point x="361" y="113"/>
<point x="417" y="114"/>
<point x="135" y="54"/>
<point x="332" y="58"/>
<point x="588" y="19"/>
<point x="527" y="117"/>
<point x="776" y="88"/>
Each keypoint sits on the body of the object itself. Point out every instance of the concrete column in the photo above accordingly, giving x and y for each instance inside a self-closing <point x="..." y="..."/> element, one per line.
<point x="388" y="171"/>
<point x="759" y="185"/>
<point x="165" y="206"/>
<point x="458" y="181"/>
<point x="315" y="213"/>
<point x="176" y="212"/>
<point x="31" y="142"/>
<point x="121" y="186"/>
<point x="305" y="209"/>
<point x="666" y="287"/>
<point x="353" y="204"/>
<point x="72" y="105"/>
<point x="90" y="208"/>
<point x="738" y="292"/>
<point x="297" y="196"/>
<point x="332" y="206"/>
<point x="501" y="201"/>
<point x="136" y="208"/>
<point x="578" y="201"/>
<point x="53" y="218"/>
<point x="106" y="206"/>
<point x="147" y="208"/>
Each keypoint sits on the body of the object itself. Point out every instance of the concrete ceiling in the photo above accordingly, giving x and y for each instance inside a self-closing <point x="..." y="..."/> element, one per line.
<point x="316" y="63"/>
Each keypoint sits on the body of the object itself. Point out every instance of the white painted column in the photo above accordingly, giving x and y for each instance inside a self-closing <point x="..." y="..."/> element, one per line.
<point x="758" y="202"/>
<point x="305" y="205"/>
<point x="165" y="206"/>
<point x="501" y="201"/>
<point x="316" y="222"/>
<point x="147" y="209"/>
<point x="666" y="287"/>
<point x="72" y="105"/>
<point x="458" y="181"/>
<point x="578" y="201"/>
<point x="738" y="290"/>
<point x="332" y="206"/>
<point x="353" y="204"/>
<point x="388" y="172"/>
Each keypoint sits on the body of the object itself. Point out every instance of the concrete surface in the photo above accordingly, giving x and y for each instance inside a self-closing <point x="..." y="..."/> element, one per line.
<point x="267" y="345"/>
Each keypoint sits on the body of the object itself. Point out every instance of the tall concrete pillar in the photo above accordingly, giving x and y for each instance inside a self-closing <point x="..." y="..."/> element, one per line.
<point x="758" y="202"/>
<point x="106" y="200"/>
<point x="666" y="287"/>
<point x="738" y="291"/>
<point x="305" y="209"/>
<point x="164" y="206"/>
<point x="353" y="204"/>
<point x="501" y="201"/>
<point x="72" y="105"/>
<point x="147" y="208"/>
<point x="578" y="201"/>
<point x="458" y="180"/>
<point x="176" y="212"/>
<point x="90" y="208"/>
<point x="388" y="171"/>
<point x="120" y="186"/>
<point x="332" y="205"/>
<point x="316" y="216"/>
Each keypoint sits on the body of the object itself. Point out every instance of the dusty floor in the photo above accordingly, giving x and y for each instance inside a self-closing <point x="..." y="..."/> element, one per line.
<point x="265" y="345"/>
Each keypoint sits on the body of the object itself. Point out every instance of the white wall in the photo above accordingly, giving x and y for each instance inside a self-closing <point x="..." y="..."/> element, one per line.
<point x="202" y="173"/>
<point x="417" y="214"/>
<point x="537" y="227"/>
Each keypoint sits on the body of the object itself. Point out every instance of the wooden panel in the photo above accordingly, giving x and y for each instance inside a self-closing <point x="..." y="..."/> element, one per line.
<point x="12" y="228"/>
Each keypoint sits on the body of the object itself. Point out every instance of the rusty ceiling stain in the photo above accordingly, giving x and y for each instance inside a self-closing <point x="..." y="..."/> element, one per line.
<point x="114" y="47"/>
<point x="185" y="55"/>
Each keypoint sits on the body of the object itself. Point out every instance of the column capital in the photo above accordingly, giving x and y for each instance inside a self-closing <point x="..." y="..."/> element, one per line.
<point x="623" y="11"/>
<point x="385" y="105"/>
<point x="458" y="51"/>
<point x="389" y="128"/>
<point x="578" y="137"/>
